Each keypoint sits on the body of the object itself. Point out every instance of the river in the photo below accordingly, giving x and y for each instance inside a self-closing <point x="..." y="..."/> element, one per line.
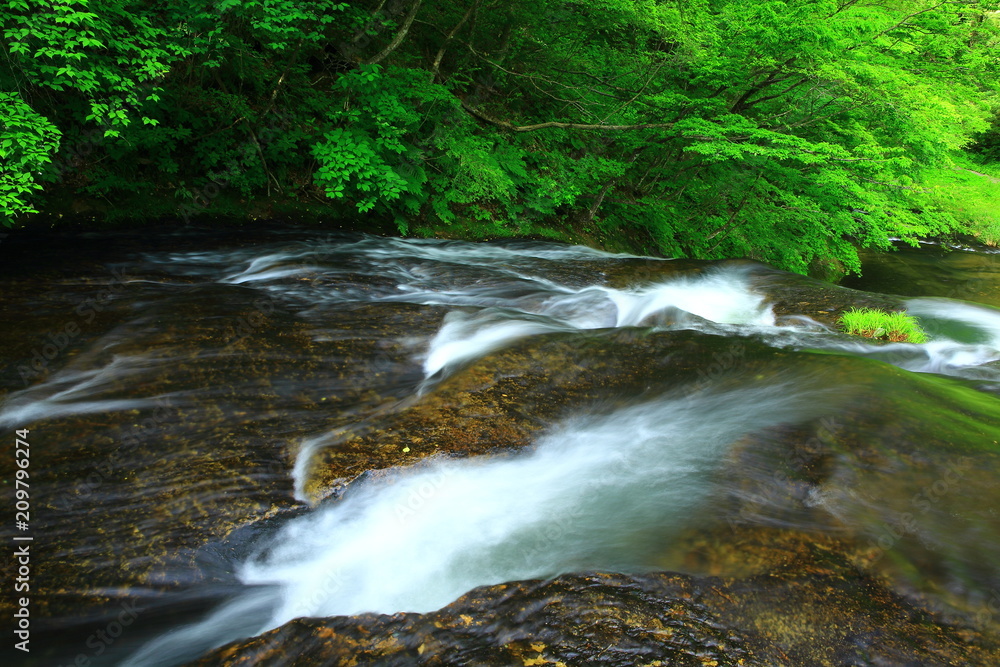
<point x="231" y="430"/>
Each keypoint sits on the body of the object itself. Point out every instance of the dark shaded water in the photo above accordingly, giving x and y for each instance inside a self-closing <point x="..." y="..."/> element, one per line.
<point x="934" y="270"/>
<point x="199" y="404"/>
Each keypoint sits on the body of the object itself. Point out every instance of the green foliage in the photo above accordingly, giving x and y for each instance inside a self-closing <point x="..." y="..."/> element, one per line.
<point x="27" y="142"/>
<point x="788" y="132"/>
<point x="369" y="154"/>
<point x="279" y="25"/>
<point x="107" y="57"/>
<point x="878" y="324"/>
<point x="969" y="192"/>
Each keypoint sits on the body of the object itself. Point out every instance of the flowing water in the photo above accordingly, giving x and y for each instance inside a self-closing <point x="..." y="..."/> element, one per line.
<point x="184" y="395"/>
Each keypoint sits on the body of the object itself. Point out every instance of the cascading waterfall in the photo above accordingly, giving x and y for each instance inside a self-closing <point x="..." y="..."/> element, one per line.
<point x="606" y="487"/>
<point x="599" y="492"/>
<point x="504" y="293"/>
<point x="722" y="297"/>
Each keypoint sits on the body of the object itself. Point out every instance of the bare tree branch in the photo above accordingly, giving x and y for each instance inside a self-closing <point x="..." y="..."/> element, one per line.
<point x="361" y="32"/>
<point x="776" y="76"/>
<point x="750" y="103"/>
<point x="436" y="68"/>
<point x="571" y="126"/>
<point x="400" y="35"/>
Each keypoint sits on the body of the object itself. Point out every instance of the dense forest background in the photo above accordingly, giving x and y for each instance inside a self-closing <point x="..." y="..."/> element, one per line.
<point x="790" y="132"/>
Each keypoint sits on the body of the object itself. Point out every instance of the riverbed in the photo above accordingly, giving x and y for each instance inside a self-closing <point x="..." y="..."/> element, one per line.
<point x="229" y="431"/>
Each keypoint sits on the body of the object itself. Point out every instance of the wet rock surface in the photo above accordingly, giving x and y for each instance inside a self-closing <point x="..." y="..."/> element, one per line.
<point x="793" y="295"/>
<point x="788" y="593"/>
<point x="129" y="499"/>
<point x="498" y="402"/>
<point x="167" y="435"/>
<point x="812" y="608"/>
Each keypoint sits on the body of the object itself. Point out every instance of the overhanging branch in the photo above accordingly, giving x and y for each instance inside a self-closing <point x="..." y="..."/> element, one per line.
<point x="400" y="35"/>
<point x="482" y="115"/>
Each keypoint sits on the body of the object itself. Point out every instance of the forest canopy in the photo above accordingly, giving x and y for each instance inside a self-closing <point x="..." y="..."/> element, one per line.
<point x="790" y="132"/>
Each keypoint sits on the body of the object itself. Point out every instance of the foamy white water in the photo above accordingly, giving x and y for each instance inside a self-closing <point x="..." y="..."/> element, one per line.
<point x="607" y="490"/>
<point x="74" y="392"/>
<point x="598" y="492"/>
<point x="721" y="296"/>
<point x="501" y="294"/>
<point x="964" y="339"/>
<point x="958" y="321"/>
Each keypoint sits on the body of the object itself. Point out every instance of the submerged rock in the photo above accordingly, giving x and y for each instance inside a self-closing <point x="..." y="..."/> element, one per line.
<point x="861" y="531"/>
<point x="497" y="403"/>
<point x="856" y="535"/>
<point x="196" y="441"/>
<point x="792" y="295"/>
<point x="813" y="609"/>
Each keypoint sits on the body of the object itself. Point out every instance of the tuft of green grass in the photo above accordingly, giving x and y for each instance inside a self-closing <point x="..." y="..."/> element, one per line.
<point x="878" y="324"/>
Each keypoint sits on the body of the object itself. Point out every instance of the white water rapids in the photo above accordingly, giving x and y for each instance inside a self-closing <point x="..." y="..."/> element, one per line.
<point x="599" y="492"/>
<point x="502" y="294"/>
<point x="602" y="490"/>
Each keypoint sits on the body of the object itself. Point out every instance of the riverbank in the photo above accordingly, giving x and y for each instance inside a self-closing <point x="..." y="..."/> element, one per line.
<point x="70" y="212"/>
<point x="965" y="191"/>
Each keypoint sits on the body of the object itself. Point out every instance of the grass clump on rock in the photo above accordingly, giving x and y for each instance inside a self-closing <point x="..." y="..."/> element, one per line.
<point x="878" y="324"/>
